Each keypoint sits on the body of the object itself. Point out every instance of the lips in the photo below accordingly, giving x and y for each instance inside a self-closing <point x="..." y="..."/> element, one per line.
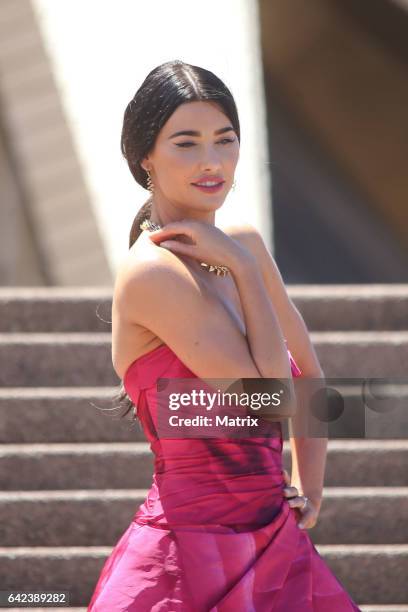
<point x="211" y="178"/>
<point x="204" y="185"/>
<point x="209" y="189"/>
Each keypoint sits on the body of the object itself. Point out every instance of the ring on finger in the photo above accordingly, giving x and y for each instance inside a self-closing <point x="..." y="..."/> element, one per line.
<point x="306" y="499"/>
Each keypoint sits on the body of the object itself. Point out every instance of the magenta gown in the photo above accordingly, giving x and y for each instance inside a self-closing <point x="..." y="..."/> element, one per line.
<point x="215" y="532"/>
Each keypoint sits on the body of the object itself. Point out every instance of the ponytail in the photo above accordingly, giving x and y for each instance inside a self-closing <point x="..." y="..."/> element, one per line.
<point x="143" y="213"/>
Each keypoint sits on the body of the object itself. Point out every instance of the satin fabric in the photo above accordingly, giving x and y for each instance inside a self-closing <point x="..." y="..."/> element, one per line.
<point x="215" y="532"/>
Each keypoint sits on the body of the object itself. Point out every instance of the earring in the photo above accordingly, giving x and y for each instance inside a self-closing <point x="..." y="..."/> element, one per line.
<point x="150" y="185"/>
<point x="233" y="185"/>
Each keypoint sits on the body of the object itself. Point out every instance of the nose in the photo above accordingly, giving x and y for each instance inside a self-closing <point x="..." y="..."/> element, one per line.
<point x="210" y="159"/>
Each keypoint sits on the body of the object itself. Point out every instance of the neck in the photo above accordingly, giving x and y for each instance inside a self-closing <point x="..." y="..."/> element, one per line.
<point x="164" y="211"/>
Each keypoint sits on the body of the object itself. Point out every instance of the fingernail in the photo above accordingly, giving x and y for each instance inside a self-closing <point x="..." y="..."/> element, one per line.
<point x="166" y="244"/>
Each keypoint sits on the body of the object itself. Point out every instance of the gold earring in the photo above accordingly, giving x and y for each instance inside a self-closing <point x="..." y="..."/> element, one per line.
<point x="150" y="185"/>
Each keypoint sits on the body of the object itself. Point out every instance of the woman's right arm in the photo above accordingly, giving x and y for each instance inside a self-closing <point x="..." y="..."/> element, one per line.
<point x="159" y="293"/>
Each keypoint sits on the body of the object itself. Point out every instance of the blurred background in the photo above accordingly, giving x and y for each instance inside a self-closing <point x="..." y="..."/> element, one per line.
<point x="322" y="92"/>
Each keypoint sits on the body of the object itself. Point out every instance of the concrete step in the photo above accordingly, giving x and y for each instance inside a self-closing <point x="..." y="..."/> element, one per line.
<point x="75" y="466"/>
<point x="90" y="414"/>
<point x="64" y="414"/>
<point x="348" y="514"/>
<point x="362" y="354"/>
<point x="84" y="359"/>
<point x="33" y="467"/>
<point x="357" y="569"/>
<point x="53" y="516"/>
<point x="56" y="309"/>
<point x="77" y="569"/>
<point x="324" y="307"/>
<point x="389" y="608"/>
<point x="56" y="359"/>
<point x="363" y="463"/>
<point x="352" y="307"/>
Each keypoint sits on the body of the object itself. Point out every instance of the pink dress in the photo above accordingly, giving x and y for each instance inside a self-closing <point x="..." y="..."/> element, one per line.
<point x="215" y="532"/>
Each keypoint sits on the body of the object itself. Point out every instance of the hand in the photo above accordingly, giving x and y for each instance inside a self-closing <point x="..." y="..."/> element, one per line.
<point x="310" y="513"/>
<point x="202" y="241"/>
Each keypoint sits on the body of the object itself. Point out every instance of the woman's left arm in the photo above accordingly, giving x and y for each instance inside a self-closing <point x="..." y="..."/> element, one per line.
<point x="308" y="453"/>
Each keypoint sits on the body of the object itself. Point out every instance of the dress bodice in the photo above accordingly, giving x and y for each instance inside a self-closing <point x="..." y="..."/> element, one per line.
<point x="144" y="371"/>
<point x="196" y="477"/>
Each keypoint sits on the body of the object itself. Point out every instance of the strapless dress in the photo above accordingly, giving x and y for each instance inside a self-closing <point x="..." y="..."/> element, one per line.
<point x="215" y="532"/>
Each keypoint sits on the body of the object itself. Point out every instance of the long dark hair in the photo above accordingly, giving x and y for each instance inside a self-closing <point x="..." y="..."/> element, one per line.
<point x="164" y="89"/>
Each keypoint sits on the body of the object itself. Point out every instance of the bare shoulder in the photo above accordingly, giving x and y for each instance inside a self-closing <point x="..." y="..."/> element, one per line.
<point x="157" y="291"/>
<point x="146" y="273"/>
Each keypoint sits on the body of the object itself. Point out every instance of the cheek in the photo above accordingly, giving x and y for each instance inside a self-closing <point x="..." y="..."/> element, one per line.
<point x="175" y="169"/>
<point x="175" y="162"/>
<point x="231" y="151"/>
<point x="231" y="157"/>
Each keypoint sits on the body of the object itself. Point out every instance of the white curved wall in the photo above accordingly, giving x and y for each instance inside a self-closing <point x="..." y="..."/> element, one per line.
<point x="101" y="51"/>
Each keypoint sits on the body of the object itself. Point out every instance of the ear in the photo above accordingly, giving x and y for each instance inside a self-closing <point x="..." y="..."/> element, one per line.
<point x="145" y="164"/>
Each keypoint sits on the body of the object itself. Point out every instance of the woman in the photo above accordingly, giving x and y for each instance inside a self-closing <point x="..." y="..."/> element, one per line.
<point x="221" y="528"/>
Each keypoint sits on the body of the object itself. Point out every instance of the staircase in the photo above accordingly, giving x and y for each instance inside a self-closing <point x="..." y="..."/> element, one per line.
<point x="73" y="475"/>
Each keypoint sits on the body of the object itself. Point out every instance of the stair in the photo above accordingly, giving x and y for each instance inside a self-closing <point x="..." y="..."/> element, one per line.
<point x="67" y="465"/>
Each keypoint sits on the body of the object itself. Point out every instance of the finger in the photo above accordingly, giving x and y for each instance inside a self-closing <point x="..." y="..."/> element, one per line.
<point x="297" y="502"/>
<point x="171" y="229"/>
<point x="178" y="247"/>
<point x="304" y="521"/>
<point x="291" y="492"/>
<point x="160" y="235"/>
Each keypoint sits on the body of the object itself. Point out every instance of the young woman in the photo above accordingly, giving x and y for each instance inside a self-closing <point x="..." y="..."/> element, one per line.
<point x="221" y="528"/>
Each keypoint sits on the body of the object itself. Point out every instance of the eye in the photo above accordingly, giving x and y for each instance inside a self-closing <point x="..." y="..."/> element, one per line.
<point x="188" y="144"/>
<point x="225" y="140"/>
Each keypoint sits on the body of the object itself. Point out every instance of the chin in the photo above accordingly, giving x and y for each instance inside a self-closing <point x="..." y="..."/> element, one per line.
<point x="212" y="206"/>
<point x="214" y="199"/>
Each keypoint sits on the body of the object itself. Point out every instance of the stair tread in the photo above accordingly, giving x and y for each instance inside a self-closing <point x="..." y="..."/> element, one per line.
<point x="96" y="336"/>
<point x="372" y="549"/>
<point x="59" y="447"/>
<point x="69" y="494"/>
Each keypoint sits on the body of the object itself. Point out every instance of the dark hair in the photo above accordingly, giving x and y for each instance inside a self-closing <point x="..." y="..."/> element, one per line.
<point x="164" y="89"/>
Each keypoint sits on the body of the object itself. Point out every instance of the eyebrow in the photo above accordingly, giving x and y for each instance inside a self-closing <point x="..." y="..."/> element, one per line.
<point x="195" y="133"/>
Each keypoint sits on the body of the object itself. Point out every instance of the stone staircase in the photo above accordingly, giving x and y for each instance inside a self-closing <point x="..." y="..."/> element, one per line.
<point x="72" y="475"/>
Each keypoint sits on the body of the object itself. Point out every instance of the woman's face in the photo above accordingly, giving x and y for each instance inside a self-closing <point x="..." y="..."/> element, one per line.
<point x="179" y="160"/>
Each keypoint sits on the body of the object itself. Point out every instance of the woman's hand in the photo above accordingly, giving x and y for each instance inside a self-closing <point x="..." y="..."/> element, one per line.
<point x="202" y="241"/>
<point x="310" y="513"/>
